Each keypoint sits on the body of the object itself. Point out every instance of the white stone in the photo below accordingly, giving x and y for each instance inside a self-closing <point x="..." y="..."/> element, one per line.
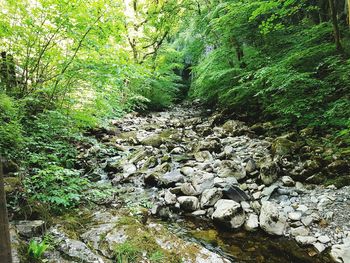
<point x="324" y="239"/>
<point x="295" y="216"/>
<point x="229" y="213"/>
<point x="306" y="240"/>
<point x="252" y="222"/>
<point x="341" y="253"/>
<point x="272" y="220"/>
<point x="319" y="247"/>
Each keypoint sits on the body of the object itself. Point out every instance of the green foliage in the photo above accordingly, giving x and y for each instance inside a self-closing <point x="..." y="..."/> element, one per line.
<point x="10" y="128"/>
<point x="36" y="250"/>
<point x="49" y="140"/>
<point x="126" y="252"/>
<point x="270" y="60"/>
<point x="56" y="187"/>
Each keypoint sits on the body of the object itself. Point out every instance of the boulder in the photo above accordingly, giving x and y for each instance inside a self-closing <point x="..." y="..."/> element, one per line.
<point x="269" y="172"/>
<point x="271" y="220"/>
<point x="29" y="229"/>
<point x="188" y="203"/>
<point x="210" y="197"/>
<point x="228" y="213"/>
<point x="281" y="146"/>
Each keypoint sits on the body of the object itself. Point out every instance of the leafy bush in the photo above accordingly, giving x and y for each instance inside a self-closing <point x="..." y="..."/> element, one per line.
<point x="10" y="128"/>
<point x="36" y="250"/>
<point x="49" y="140"/>
<point x="56" y="187"/>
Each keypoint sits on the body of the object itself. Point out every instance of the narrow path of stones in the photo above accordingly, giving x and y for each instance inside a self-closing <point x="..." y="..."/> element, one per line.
<point x="181" y="162"/>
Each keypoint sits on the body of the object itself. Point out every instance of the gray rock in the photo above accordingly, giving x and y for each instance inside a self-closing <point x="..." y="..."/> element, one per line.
<point x="210" y="197"/>
<point x="28" y="229"/>
<point x="295" y="216"/>
<point x="188" y="189"/>
<point x="324" y="239"/>
<point x="171" y="178"/>
<point x="74" y="249"/>
<point x="187" y="171"/>
<point x="272" y="220"/>
<point x="269" y="172"/>
<point x="188" y="203"/>
<point x="287" y="181"/>
<point x="203" y="156"/>
<point x="252" y="222"/>
<point x="169" y="198"/>
<point x="228" y="213"/>
<point x="306" y="240"/>
<point x="299" y="231"/>
<point x="319" y="247"/>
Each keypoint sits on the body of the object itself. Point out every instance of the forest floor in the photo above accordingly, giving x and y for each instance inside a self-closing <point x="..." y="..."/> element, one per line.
<point x="185" y="186"/>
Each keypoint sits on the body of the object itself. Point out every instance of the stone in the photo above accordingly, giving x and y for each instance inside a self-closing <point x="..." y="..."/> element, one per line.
<point x="228" y="213"/>
<point x="129" y="169"/>
<point x="319" y="247"/>
<point x="169" y="198"/>
<point x="210" y="197"/>
<point x="202" y="181"/>
<point x="295" y="216"/>
<point x="324" y="239"/>
<point x="281" y="146"/>
<point x="252" y="222"/>
<point x="287" y="181"/>
<point x="256" y="195"/>
<point x="203" y="156"/>
<point x="271" y="220"/>
<point x="307" y="220"/>
<point x="188" y="189"/>
<point x="305" y="240"/>
<point x="231" y="169"/>
<point x="29" y="229"/>
<point x="250" y="166"/>
<point x="225" y="182"/>
<point x="187" y="171"/>
<point x="340" y="253"/>
<point x="235" y="193"/>
<point x="171" y="178"/>
<point x="269" y="172"/>
<point x="299" y="231"/>
<point x="188" y="203"/>
<point x="74" y="249"/>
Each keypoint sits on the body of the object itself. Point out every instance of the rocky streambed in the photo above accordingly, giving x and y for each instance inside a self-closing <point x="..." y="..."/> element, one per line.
<point x="224" y="193"/>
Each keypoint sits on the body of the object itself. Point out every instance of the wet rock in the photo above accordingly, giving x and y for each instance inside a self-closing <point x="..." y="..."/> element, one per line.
<point x="235" y="193"/>
<point x="210" y="197"/>
<point x="341" y="252"/>
<point x="272" y="220"/>
<point x="228" y="213"/>
<point x="252" y="222"/>
<point x="188" y="203"/>
<point x="30" y="229"/>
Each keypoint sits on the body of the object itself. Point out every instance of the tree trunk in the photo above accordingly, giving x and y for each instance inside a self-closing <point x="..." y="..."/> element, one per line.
<point x="348" y="7"/>
<point x="5" y="243"/>
<point x="336" y="31"/>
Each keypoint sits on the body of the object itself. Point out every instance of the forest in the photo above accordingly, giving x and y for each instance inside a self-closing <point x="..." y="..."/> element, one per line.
<point x="235" y="112"/>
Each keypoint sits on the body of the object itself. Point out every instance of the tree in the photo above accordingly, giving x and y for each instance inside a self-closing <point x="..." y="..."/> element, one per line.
<point x="336" y="30"/>
<point x="5" y="244"/>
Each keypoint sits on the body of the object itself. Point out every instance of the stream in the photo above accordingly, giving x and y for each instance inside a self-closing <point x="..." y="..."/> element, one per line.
<point x="181" y="187"/>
